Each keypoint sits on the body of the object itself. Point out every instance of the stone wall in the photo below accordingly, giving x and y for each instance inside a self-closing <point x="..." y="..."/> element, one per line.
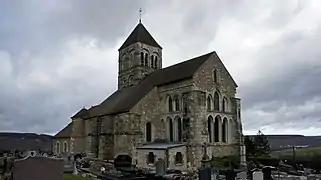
<point x="77" y="140"/>
<point x="59" y="145"/>
<point x="168" y="155"/>
<point x="172" y="155"/>
<point x="142" y="157"/>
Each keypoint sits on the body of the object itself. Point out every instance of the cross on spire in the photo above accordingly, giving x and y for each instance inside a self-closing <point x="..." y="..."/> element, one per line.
<point x="140" y="15"/>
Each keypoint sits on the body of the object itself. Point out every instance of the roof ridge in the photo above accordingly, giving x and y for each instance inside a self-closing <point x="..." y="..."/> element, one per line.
<point x="188" y="60"/>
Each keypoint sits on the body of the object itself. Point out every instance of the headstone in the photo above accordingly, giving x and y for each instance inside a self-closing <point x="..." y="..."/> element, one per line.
<point x="205" y="174"/>
<point x="75" y="169"/>
<point x="38" y="168"/>
<point x="230" y="175"/>
<point x="257" y="175"/>
<point x="241" y="175"/>
<point x="267" y="173"/>
<point x="160" y="167"/>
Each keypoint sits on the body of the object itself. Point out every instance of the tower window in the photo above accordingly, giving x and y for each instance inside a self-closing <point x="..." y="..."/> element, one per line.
<point x="215" y="76"/>
<point x="170" y="104"/>
<point x="156" y="63"/>
<point x="216" y="101"/>
<point x="148" y="132"/>
<point x="152" y="61"/>
<point x="142" y="59"/>
<point x="146" y="59"/>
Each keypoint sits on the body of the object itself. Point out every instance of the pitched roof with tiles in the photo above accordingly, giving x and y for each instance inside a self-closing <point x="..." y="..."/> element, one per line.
<point x="140" y="34"/>
<point x="65" y="132"/>
<point x="123" y="100"/>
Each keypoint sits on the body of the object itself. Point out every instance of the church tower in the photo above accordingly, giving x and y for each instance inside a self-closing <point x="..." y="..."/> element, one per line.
<point x="138" y="56"/>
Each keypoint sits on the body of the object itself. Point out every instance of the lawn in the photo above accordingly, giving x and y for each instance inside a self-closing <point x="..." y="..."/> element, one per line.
<point x="74" y="177"/>
<point x="299" y="152"/>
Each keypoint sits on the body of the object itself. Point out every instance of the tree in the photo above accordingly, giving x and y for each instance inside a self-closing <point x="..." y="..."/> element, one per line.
<point x="262" y="146"/>
<point x="250" y="146"/>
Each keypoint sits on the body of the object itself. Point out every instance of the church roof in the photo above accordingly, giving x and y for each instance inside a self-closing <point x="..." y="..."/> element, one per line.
<point x="140" y="34"/>
<point x="123" y="100"/>
<point x="65" y="132"/>
<point x="80" y="114"/>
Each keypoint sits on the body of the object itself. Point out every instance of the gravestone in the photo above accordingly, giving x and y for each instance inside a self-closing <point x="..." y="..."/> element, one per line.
<point x="38" y="168"/>
<point x="160" y="167"/>
<point x="258" y="175"/>
<point x="205" y="174"/>
<point x="241" y="175"/>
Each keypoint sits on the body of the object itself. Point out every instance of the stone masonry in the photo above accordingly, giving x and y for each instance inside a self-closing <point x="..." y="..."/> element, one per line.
<point x="192" y="103"/>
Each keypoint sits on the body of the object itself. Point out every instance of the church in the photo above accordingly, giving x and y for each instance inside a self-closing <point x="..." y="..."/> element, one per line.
<point x="180" y="114"/>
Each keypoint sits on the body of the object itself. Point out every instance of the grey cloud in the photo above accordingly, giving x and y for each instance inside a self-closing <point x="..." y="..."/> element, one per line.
<point x="292" y="82"/>
<point x="37" y="95"/>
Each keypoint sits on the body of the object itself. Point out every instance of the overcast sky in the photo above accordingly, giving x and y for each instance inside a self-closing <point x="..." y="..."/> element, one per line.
<point x="60" y="55"/>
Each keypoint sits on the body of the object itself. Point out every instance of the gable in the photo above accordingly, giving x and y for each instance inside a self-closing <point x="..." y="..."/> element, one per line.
<point x="65" y="132"/>
<point x="123" y="100"/>
<point x="205" y="72"/>
<point x="225" y="69"/>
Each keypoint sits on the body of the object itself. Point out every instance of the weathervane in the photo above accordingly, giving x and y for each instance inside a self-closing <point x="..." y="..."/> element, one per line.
<point x="140" y="15"/>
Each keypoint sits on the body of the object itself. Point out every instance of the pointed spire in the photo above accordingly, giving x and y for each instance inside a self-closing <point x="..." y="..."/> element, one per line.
<point x="140" y="34"/>
<point x="140" y="15"/>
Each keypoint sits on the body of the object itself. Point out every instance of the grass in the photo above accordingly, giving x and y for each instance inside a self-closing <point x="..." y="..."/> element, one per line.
<point x="299" y="152"/>
<point x="74" y="177"/>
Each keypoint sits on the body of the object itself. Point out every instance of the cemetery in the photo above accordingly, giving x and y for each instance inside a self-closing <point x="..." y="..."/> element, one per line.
<point x="67" y="167"/>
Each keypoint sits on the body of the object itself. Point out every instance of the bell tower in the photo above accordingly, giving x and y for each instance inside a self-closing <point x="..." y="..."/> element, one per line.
<point x="139" y="55"/>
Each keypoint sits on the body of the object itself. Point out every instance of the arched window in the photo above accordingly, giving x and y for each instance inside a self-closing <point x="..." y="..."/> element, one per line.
<point x="65" y="147"/>
<point x="178" y="131"/>
<point x="156" y="63"/>
<point x="209" y="102"/>
<point x="142" y="59"/>
<point x="57" y="147"/>
<point x="225" y="105"/>
<point x="170" y="133"/>
<point x="179" y="158"/>
<point x="186" y="126"/>
<point x="210" y="128"/>
<point x="216" y="101"/>
<point x="146" y="59"/>
<point x="152" y="61"/>
<point x="170" y="104"/>
<point x="151" y="158"/>
<point x="224" y="130"/>
<point x="176" y="100"/>
<point x="215" y="76"/>
<point x="148" y="132"/>
<point x="217" y="129"/>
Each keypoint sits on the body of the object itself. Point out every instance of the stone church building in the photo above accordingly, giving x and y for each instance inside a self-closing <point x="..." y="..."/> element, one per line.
<point x="177" y="114"/>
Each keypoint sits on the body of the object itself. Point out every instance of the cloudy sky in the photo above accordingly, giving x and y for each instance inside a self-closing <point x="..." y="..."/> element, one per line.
<point x="58" y="56"/>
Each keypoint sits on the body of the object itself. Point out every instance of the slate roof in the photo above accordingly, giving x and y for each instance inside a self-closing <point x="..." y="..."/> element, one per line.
<point x="80" y="114"/>
<point x="65" y="132"/>
<point x="123" y="100"/>
<point x="140" y="34"/>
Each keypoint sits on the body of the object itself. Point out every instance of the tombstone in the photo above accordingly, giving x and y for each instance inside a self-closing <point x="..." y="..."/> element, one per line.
<point x="204" y="174"/>
<point x="267" y="174"/>
<point x="257" y="175"/>
<point x="241" y="175"/>
<point x="230" y="175"/>
<point x="37" y="168"/>
<point x="75" y="169"/>
<point x="160" y="167"/>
